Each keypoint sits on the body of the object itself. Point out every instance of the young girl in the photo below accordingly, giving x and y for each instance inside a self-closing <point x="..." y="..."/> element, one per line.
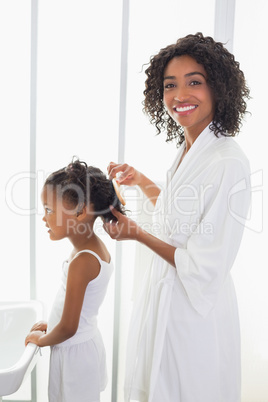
<point x="73" y="197"/>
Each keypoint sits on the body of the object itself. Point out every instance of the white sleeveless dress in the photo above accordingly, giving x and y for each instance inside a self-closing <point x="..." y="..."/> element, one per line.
<point x="78" y="365"/>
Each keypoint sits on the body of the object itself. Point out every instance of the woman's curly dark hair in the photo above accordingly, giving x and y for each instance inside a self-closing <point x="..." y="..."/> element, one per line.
<point x="80" y="185"/>
<point x="225" y="79"/>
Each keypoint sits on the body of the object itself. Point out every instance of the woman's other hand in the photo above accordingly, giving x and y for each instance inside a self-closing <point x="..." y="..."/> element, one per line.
<point x="122" y="229"/>
<point x="127" y="229"/>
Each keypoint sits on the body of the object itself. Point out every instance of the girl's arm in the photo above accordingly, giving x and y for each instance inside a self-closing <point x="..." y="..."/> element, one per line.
<point x="127" y="229"/>
<point x="82" y="270"/>
<point x="131" y="177"/>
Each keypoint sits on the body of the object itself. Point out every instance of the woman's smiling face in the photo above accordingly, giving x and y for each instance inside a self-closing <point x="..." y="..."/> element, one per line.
<point x="186" y="95"/>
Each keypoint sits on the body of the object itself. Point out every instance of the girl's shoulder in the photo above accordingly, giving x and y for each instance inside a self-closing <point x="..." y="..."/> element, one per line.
<point x="88" y="254"/>
<point x="89" y="266"/>
<point x="84" y="265"/>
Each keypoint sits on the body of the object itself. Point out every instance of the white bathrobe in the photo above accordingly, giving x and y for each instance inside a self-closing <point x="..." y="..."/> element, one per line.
<point x="184" y="340"/>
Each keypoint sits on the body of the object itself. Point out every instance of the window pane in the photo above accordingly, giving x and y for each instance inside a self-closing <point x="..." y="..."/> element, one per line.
<point x="14" y="162"/>
<point x="154" y="25"/>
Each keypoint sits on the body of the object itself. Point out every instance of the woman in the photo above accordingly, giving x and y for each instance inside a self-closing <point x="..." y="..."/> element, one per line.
<point x="184" y="342"/>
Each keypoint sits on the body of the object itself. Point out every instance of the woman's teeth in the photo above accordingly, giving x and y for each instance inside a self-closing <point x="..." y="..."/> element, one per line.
<point x="184" y="108"/>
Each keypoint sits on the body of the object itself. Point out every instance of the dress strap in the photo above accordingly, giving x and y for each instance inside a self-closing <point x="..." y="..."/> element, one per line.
<point x="90" y="252"/>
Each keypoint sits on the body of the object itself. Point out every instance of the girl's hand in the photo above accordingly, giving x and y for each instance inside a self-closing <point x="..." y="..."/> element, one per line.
<point x="128" y="175"/>
<point x="123" y="229"/>
<point x="34" y="337"/>
<point x="40" y="326"/>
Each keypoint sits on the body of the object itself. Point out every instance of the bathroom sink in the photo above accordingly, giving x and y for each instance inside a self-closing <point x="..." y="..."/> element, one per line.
<point x="16" y="360"/>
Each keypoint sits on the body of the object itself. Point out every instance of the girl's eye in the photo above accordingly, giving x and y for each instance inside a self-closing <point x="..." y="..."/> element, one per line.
<point x="48" y="210"/>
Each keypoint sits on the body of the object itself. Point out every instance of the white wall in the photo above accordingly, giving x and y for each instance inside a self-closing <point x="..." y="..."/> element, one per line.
<point x="250" y="272"/>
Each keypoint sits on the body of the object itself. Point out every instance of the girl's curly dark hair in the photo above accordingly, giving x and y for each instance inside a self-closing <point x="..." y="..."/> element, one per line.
<point x="225" y="78"/>
<point x="80" y="185"/>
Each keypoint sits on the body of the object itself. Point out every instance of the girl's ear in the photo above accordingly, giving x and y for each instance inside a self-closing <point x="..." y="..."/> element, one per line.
<point x="84" y="211"/>
<point x="81" y="212"/>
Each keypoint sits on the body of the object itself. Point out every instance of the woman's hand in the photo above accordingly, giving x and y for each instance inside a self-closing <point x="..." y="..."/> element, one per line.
<point x="128" y="175"/>
<point x="127" y="229"/>
<point x="123" y="229"/>
<point x="34" y="337"/>
<point x="132" y="177"/>
<point x="40" y="326"/>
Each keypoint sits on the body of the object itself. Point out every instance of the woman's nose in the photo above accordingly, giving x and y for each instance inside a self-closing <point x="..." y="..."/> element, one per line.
<point x="181" y="95"/>
<point x="180" y="98"/>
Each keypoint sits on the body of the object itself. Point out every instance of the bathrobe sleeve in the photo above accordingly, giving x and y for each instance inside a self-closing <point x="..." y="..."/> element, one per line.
<point x="212" y="246"/>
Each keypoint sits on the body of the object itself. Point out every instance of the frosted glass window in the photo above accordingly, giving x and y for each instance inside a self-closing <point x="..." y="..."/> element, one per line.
<point x="154" y="25"/>
<point x="14" y="161"/>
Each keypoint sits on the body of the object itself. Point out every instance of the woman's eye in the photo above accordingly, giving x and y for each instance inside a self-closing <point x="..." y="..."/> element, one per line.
<point x="168" y="86"/>
<point x="195" y="83"/>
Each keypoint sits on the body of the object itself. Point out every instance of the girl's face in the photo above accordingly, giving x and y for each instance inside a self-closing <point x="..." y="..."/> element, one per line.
<point x="60" y="217"/>
<point x="188" y="98"/>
